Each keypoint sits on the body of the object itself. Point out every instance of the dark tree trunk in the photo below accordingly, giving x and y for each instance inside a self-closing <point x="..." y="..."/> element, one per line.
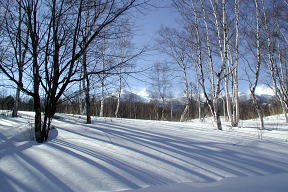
<point x="16" y="104"/>
<point x="38" y="123"/>
<point x="87" y="90"/>
<point x="87" y="104"/>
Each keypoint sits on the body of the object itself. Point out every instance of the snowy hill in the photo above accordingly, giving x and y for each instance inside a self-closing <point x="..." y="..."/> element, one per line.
<point x="137" y="155"/>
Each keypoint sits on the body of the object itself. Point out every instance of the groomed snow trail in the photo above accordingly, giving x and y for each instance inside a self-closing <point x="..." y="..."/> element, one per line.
<point x="122" y="154"/>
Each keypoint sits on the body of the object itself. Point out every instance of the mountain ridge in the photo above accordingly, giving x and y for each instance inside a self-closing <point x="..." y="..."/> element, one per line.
<point x="135" y="96"/>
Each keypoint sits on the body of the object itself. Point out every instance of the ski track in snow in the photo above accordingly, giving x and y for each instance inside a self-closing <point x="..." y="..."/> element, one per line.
<point x="125" y="154"/>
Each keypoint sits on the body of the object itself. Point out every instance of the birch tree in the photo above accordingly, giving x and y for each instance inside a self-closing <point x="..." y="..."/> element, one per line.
<point x="253" y="84"/>
<point x="235" y="70"/>
<point x="173" y="44"/>
<point x="102" y="76"/>
<point x="216" y="77"/>
<point x="277" y="71"/>
<point x="161" y="84"/>
<point x="123" y="46"/>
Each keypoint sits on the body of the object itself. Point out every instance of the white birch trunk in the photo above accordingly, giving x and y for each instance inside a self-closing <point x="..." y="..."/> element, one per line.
<point x="184" y="115"/>
<point x="254" y="85"/>
<point x="223" y="53"/>
<point x="101" y="114"/>
<point x="236" y="80"/>
<point x="213" y="105"/>
<point x="225" y="61"/>
<point x="118" y="96"/>
<point x="198" y="60"/>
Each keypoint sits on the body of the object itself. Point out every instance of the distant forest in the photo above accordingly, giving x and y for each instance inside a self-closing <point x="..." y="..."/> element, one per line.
<point x="143" y="110"/>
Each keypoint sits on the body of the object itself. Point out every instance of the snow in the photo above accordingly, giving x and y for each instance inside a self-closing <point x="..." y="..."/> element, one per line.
<point x="272" y="183"/>
<point x="142" y="156"/>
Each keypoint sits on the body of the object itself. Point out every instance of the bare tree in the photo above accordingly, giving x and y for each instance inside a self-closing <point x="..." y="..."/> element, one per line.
<point x="17" y="37"/>
<point x="123" y="47"/>
<point x="102" y="76"/>
<point x="160" y="82"/>
<point x="272" y="27"/>
<point x="235" y="73"/>
<point x="56" y="45"/>
<point x="174" y="44"/>
<point x="254" y="84"/>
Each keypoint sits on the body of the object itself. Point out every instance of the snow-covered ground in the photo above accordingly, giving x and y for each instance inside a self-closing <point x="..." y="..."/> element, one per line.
<point x="143" y="156"/>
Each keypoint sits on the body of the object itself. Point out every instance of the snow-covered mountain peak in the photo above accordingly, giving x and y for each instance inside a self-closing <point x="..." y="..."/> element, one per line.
<point x="128" y="95"/>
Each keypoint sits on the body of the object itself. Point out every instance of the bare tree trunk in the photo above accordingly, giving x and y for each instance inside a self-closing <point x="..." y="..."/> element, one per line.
<point x="283" y="91"/>
<point x="213" y="105"/>
<point x="236" y="80"/>
<point x="284" y="109"/>
<point x="87" y="90"/>
<point x="118" y="95"/>
<point x="16" y="103"/>
<point x="199" y="107"/>
<point x="118" y="105"/>
<point x="86" y="80"/>
<point x="81" y="88"/>
<point x="209" y="48"/>
<point x="187" y="90"/>
<point x="224" y="108"/>
<point x="171" y="110"/>
<point x="198" y="60"/>
<point x="228" y="101"/>
<point x="225" y="61"/>
<point x="102" y="76"/>
<point x="217" y="115"/>
<point x="21" y="54"/>
<point x="163" y="109"/>
<point x="254" y="85"/>
<point x="37" y="121"/>
<point x="198" y="84"/>
<point x="102" y="99"/>
<point x="258" y="110"/>
<point x="184" y="113"/>
<point x="223" y="49"/>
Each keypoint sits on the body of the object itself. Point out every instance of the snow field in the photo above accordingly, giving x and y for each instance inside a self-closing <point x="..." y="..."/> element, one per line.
<point x="138" y="155"/>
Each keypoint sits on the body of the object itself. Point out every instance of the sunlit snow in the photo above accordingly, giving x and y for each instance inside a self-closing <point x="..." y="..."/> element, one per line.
<point x="140" y="155"/>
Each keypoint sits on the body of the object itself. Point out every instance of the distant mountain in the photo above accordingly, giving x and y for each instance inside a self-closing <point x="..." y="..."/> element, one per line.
<point x="178" y="101"/>
<point x="262" y="98"/>
<point x="129" y="96"/>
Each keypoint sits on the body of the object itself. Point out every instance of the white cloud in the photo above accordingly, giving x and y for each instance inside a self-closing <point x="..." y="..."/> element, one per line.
<point x="264" y="90"/>
<point x="142" y="92"/>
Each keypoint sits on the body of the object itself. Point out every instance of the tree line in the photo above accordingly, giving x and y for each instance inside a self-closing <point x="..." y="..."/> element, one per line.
<point x="134" y="109"/>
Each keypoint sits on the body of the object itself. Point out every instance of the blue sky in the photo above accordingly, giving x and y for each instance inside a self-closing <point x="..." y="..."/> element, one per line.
<point x="147" y="26"/>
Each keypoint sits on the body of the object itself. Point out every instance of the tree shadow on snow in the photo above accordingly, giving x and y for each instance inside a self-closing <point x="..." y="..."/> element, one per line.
<point x="157" y="158"/>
